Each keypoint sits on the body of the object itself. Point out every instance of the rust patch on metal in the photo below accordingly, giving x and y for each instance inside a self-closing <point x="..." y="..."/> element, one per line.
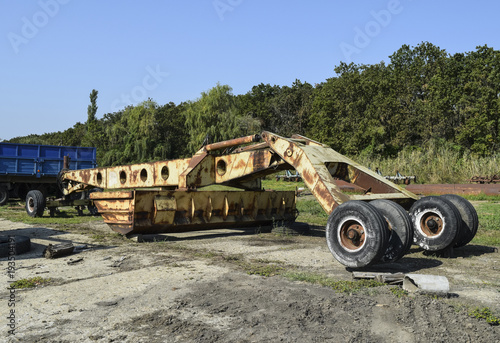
<point x="371" y="184"/>
<point x="459" y="189"/>
<point x="112" y="195"/>
<point x="349" y="187"/>
<point x="232" y="142"/>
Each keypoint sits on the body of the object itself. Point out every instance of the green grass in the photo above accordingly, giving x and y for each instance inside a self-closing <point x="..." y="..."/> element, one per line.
<point x="488" y="232"/>
<point x="15" y="212"/>
<point x="341" y="286"/>
<point x="30" y="282"/>
<point x="263" y="270"/>
<point x="434" y="163"/>
<point x="481" y="197"/>
<point x="310" y="211"/>
<point x="271" y="183"/>
<point x="486" y="314"/>
<point x="218" y="188"/>
<point x="399" y="292"/>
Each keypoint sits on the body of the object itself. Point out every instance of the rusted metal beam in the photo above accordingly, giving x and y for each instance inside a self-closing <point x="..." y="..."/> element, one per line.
<point x="232" y="142"/>
<point x="257" y="146"/>
<point x="459" y="189"/>
<point x="485" y="179"/>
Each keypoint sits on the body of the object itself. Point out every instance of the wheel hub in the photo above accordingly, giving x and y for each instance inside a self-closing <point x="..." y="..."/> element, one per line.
<point x="31" y="204"/>
<point x="431" y="224"/>
<point x="352" y="235"/>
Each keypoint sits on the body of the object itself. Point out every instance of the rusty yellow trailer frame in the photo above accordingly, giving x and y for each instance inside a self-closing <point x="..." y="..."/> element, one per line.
<point x="150" y="211"/>
<point x="168" y="196"/>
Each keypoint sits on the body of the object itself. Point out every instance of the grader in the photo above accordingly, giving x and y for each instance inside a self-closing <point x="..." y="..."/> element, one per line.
<point x="378" y="224"/>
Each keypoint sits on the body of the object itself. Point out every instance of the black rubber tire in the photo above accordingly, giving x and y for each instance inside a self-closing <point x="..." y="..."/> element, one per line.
<point x="470" y="221"/>
<point x="367" y="228"/>
<point x="401" y="229"/>
<point x="443" y="214"/>
<point x="4" y="195"/>
<point x="22" y="244"/>
<point x="92" y="207"/>
<point x="35" y="203"/>
<point x="62" y="185"/>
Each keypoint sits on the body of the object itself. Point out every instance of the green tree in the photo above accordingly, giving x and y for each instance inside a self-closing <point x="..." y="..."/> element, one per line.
<point x="172" y="138"/>
<point x="479" y="104"/>
<point x="93" y="134"/>
<point x="214" y="115"/>
<point x="342" y="115"/>
<point x="416" y="118"/>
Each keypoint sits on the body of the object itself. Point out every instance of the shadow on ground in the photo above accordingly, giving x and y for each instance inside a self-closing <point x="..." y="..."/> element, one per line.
<point x="49" y="236"/>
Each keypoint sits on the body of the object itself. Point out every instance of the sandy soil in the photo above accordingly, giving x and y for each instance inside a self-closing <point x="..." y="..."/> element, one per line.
<point x="193" y="288"/>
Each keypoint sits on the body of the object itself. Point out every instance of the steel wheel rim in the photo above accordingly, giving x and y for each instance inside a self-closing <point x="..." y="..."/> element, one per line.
<point x="431" y="224"/>
<point x="352" y="234"/>
<point x="31" y="204"/>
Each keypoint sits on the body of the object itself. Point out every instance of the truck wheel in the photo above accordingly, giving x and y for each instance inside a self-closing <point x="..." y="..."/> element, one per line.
<point x="14" y="245"/>
<point x="35" y="203"/>
<point x="470" y="221"/>
<point x="436" y="223"/>
<point x="356" y="234"/>
<point x="4" y="195"/>
<point x="401" y="230"/>
<point x="92" y="207"/>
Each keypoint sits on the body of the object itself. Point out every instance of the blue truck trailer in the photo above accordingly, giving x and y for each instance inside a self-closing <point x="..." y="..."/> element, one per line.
<point x="26" y="167"/>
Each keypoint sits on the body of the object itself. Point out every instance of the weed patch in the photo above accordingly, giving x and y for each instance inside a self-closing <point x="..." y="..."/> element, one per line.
<point x="399" y="292"/>
<point x="485" y="313"/>
<point x="341" y="286"/>
<point x="30" y="282"/>
<point x="263" y="270"/>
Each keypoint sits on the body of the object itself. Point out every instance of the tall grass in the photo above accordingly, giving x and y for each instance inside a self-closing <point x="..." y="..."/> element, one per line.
<point x="434" y="163"/>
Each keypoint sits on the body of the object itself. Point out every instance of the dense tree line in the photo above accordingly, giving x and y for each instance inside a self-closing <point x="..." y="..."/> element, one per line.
<point x="422" y="94"/>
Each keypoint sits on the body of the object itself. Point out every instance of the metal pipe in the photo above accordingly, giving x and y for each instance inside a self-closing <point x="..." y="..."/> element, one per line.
<point x="232" y="142"/>
<point x="66" y="160"/>
<point x="261" y="145"/>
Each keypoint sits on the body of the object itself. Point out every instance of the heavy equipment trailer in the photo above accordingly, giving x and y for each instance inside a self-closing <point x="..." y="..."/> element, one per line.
<point x="172" y="196"/>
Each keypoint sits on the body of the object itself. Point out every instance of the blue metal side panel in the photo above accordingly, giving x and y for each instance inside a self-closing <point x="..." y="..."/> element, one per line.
<point x="8" y="166"/>
<point x="8" y="150"/>
<point x="27" y="151"/>
<point x="26" y="166"/>
<point x="51" y="152"/>
<point x="43" y="160"/>
<point x="51" y="167"/>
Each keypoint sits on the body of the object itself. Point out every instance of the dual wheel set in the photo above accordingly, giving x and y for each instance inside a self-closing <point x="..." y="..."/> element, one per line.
<point x="362" y="233"/>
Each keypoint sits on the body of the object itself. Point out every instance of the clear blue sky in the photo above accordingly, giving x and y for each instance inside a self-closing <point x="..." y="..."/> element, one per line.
<point x="54" y="52"/>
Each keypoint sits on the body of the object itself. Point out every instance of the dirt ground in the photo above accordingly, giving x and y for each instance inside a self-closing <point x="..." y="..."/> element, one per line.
<point x="196" y="287"/>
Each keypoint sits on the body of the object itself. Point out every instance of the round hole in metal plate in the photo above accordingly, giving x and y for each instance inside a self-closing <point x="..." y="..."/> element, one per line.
<point x="144" y="175"/>
<point x="221" y="167"/>
<point x="164" y="173"/>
